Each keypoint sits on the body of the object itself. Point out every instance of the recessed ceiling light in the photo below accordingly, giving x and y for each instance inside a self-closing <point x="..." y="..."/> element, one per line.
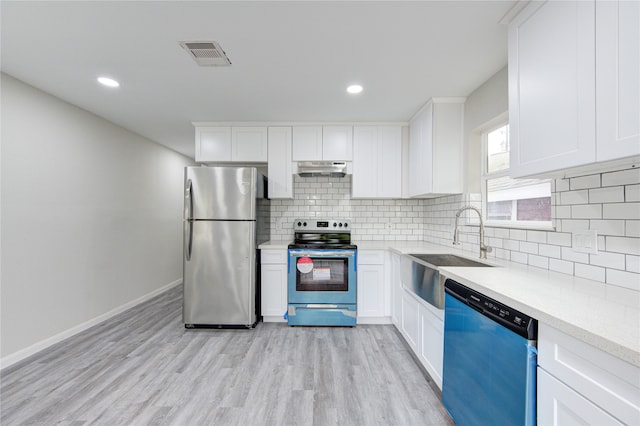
<point x="109" y="82"/>
<point x="354" y="88"/>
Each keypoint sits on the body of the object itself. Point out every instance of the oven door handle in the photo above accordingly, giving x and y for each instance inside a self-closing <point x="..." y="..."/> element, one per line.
<point x="323" y="253"/>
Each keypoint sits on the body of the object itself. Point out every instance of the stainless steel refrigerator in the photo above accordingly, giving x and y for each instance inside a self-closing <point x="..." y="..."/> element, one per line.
<point x="226" y="217"/>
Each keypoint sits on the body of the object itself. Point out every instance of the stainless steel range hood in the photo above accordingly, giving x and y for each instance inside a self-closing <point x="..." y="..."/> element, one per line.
<point x="322" y="168"/>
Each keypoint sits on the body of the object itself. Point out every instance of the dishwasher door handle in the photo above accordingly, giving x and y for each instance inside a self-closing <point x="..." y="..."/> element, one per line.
<point x="475" y="305"/>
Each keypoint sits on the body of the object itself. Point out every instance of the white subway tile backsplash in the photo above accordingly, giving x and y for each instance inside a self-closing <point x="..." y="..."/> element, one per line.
<point x="561" y="266"/>
<point x="562" y="185"/>
<point x="574" y="197"/>
<point x="549" y="251"/>
<point x="559" y="238"/>
<point x="608" y="260"/>
<point x="622" y="177"/>
<point x="632" y="193"/>
<point x="526" y="247"/>
<point x="574" y="256"/>
<point x="612" y="194"/>
<point x="608" y="203"/>
<point x="632" y="228"/>
<point x="537" y="236"/>
<point x="518" y="234"/>
<point x="584" y="182"/>
<point x="586" y="211"/>
<point x="621" y="211"/>
<point x="591" y="272"/>
<point x="623" y="245"/>
<point x="625" y="279"/>
<point x="608" y="227"/>
<point x="633" y="263"/>
<point x="539" y="261"/>
<point x="573" y="225"/>
<point x="519" y="257"/>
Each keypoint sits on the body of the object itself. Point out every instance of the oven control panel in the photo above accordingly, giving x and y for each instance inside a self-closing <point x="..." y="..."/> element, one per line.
<point x="319" y="225"/>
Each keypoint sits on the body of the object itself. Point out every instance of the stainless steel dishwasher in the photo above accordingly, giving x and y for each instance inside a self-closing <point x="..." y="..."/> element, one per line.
<point x="490" y="359"/>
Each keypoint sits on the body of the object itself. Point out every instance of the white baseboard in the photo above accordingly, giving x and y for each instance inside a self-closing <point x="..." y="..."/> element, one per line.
<point x="272" y="318"/>
<point x="15" y="357"/>
<point x="374" y="320"/>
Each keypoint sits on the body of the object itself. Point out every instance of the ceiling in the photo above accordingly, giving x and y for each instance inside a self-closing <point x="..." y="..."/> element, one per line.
<point x="291" y="60"/>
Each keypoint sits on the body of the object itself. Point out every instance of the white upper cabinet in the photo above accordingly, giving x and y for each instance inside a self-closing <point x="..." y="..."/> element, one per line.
<point x="316" y="143"/>
<point x="377" y="162"/>
<point x="279" y="163"/>
<point x="307" y="143"/>
<point x="231" y="144"/>
<point x="337" y="143"/>
<point x="617" y="79"/>
<point x="574" y="85"/>
<point x="213" y="144"/>
<point x="249" y="144"/>
<point x="436" y="148"/>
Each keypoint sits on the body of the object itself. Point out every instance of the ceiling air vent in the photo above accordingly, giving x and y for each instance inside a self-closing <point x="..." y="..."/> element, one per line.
<point x="206" y="53"/>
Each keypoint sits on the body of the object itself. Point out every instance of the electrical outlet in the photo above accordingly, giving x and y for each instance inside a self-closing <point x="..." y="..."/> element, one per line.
<point x="585" y="241"/>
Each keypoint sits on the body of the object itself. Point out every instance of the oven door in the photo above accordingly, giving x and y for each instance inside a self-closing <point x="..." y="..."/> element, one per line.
<point x="322" y="276"/>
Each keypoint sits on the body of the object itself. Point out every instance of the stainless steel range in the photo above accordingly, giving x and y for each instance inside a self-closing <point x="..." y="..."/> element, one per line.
<point x="322" y="274"/>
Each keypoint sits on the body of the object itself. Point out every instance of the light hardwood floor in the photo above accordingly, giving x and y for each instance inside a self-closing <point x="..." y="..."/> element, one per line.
<point x="142" y="367"/>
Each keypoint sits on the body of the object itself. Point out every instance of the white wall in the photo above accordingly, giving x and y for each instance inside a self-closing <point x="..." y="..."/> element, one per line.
<point x="91" y="219"/>
<point x="487" y="102"/>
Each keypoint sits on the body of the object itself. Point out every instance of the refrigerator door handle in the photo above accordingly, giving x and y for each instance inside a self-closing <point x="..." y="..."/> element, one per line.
<point x="188" y="200"/>
<point x="188" y="239"/>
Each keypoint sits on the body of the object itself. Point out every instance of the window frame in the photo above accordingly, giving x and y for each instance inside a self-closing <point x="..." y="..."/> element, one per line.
<point x="485" y="176"/>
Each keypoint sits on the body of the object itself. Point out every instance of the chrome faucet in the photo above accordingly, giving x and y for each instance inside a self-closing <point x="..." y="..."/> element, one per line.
<point x="484" y="249"/>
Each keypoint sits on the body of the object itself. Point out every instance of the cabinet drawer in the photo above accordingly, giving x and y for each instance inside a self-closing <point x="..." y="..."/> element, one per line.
<point x="273" y="256"/>
<point x="605" y="380"/>
<point x="370" y="257"/>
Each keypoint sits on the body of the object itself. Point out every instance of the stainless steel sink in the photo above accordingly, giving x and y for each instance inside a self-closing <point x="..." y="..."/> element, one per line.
<point x="447" y="260"/>
<point x="420" y="273"/>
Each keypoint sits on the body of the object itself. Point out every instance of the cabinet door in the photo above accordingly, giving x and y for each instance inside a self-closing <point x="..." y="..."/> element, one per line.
<point x="552" y="87"/>
<point x="365" y="162"/>
<point x="249" y="144"/>
<point x="432" y="343"/>
<point x="396" y="290"/>
<point x="370" y="291"/>
<point x="411" y="320"/>
<point x="559" y="405"/>
<point x="279" y="163"/>
<point x="213" y="144"/>
<point x="618" y="79"/>
<point x="420" y="152"/>
<point x="273" y="291"/>
<point x="389" y="162"/>
<point x="307" y="143"/>
<point x="337" y="143"/>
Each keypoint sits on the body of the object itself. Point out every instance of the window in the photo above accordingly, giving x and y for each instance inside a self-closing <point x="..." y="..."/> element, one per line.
<point x="511" y="202"/>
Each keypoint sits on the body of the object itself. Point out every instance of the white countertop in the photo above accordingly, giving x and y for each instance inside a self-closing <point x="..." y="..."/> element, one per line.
<point x="585" y="309"/>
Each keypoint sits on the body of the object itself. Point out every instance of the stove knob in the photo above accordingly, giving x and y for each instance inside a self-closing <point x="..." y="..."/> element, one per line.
<point x="335" y="224"/>
<point x="299" y="223"/>
<point x="346" y="224"/>
<point x="305" y="224"/>
<point x="340" y="224"/>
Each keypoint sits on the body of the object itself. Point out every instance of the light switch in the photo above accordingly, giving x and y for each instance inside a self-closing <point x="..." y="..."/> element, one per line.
<point x="585" y="241"/>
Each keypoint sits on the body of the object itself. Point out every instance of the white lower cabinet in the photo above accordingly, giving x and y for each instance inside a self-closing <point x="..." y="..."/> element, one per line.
<point x="273" y="293"/>
<point x="432" y="342"/>
<point x="560" y="405"/>
<point x="411" y="320"/>
<point x="371" y="287"/>
<point x="396" y="290"/>
<point x="580" y="384"/>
